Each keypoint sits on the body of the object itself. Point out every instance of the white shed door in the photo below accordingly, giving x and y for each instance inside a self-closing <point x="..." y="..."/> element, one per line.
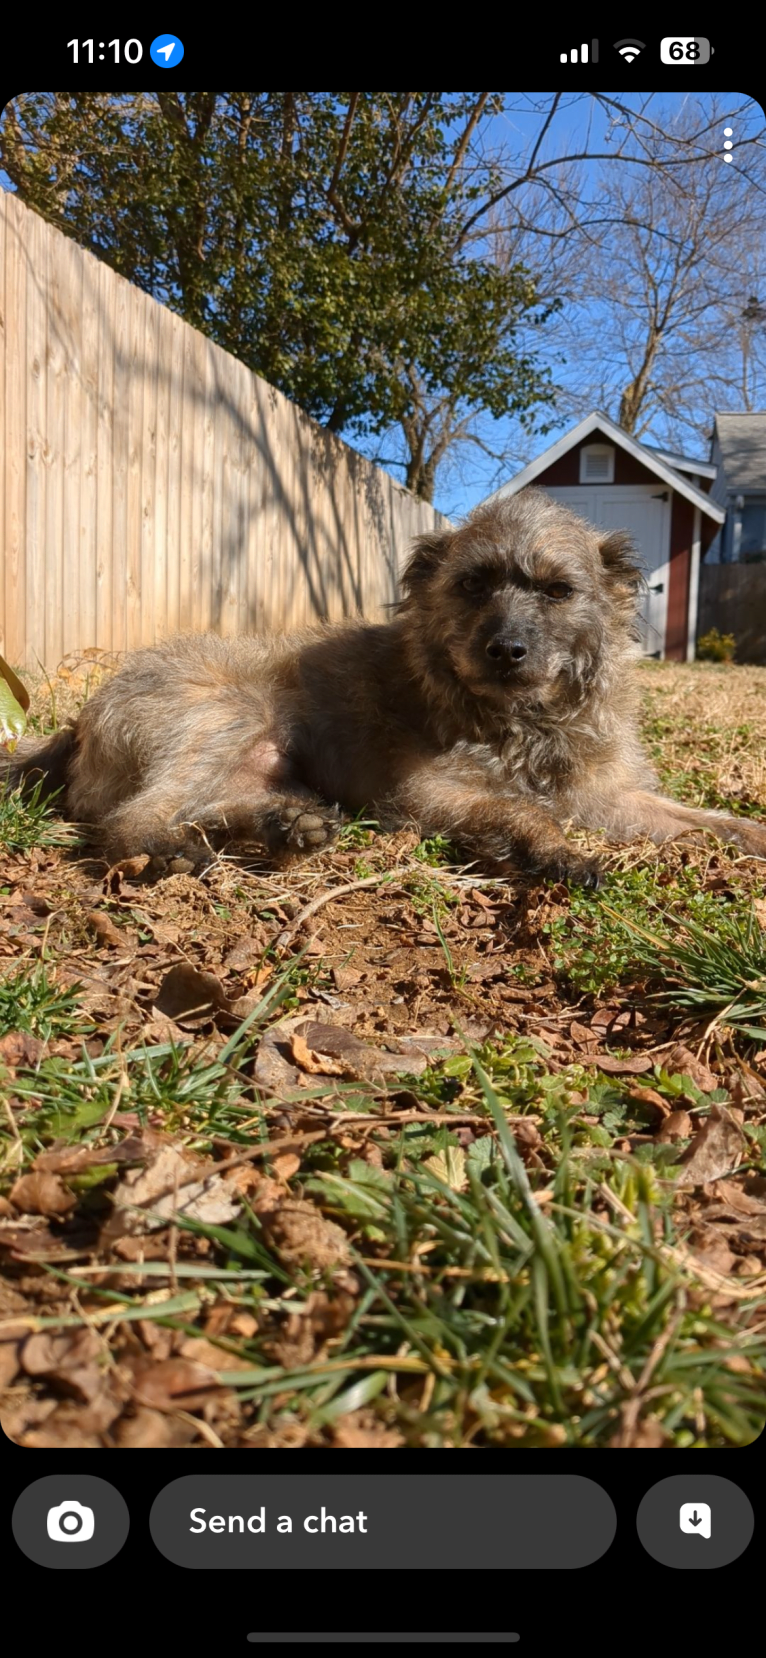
<point x="645" y="513"/>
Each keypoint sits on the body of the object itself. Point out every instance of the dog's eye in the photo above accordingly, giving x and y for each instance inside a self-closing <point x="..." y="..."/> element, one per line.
<point x="558" y="590"/>
<point x="472" y="584"/>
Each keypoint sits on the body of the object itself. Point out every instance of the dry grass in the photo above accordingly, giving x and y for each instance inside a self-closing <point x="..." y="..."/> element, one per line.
<point x="402" y="1269"/>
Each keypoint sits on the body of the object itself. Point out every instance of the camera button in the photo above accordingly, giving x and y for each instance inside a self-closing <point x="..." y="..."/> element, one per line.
<point x="70" y="1521"/>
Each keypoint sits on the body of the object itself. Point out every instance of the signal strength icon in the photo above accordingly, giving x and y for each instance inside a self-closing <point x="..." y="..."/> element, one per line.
<point x="581" y="54"/>
<point x="629" y="49"/>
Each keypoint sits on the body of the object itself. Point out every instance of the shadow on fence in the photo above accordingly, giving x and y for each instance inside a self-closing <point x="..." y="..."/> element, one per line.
<point x="154" y="484"/>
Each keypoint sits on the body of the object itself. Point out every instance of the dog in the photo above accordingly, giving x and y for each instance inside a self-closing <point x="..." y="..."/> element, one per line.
<point x="496" y="706"/>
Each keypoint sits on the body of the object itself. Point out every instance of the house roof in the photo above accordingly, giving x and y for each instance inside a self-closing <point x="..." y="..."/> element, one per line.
<point x="743" y="448"/>
<point x="650" y="459"/>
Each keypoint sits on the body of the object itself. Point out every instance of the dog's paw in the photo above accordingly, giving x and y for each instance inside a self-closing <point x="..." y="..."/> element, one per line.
<point x="570" y="866"/>
<point x="193" y="861"/>
<point x="749" y="836"/>
<point x="304" y="829"/>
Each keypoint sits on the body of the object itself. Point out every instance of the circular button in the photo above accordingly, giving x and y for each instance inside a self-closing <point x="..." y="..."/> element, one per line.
<point x="70" y="1521"/>
<point x="695" y="1521"/>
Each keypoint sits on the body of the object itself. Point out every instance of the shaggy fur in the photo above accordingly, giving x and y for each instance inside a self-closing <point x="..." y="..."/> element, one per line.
<point x="495" y="707"/>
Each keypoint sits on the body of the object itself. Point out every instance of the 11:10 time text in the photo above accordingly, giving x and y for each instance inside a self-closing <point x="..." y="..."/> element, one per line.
<point x="132" y="50"/>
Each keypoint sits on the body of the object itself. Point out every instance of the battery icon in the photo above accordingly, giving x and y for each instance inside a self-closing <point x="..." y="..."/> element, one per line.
<point x="685" y="49"/>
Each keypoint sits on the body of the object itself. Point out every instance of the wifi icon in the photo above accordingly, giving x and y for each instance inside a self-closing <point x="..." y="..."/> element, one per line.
<point x="629" y="49"/>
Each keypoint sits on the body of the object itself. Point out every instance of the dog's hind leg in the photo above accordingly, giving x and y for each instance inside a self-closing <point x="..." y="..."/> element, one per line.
<point x="638" y="813"/>
<point x="288" y="826"/>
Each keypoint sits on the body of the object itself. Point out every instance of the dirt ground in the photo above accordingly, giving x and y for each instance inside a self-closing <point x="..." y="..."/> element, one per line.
<point x="245" y="1120"/>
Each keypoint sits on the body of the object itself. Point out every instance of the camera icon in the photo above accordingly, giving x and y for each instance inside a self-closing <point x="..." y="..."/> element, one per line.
<point x="70" y="1523"/>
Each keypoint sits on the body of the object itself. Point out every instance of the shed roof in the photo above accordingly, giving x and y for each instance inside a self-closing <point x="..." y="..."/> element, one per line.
<point x="682" y="463"/>
<point x="743" y="447"/>
<point x="650" y="459"/>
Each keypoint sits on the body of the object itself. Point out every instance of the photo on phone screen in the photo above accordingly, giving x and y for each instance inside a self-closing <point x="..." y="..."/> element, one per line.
<point x="383" y="825"/>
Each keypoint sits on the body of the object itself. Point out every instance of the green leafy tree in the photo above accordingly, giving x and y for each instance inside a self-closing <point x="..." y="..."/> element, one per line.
<point x="336" y="243"/>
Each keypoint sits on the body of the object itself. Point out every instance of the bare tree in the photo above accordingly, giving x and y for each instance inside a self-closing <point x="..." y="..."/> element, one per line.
<point x="645" y="250"/>
<point x="663" y="319"/>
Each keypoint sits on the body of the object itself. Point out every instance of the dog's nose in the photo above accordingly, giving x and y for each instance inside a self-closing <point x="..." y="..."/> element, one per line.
<point x="503" y="648"/>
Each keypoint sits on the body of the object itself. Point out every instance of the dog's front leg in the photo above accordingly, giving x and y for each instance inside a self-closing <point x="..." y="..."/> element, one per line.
<point x="635" y="813"/>
<point x="499" y="829"/>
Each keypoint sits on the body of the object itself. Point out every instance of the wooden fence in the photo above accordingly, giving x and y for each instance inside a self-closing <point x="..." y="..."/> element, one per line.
<point x="152" y="483"/>
<point x="733" y="599"/>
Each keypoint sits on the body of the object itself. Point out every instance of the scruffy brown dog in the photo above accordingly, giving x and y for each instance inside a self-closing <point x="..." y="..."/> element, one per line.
<point x="495" y="707"/>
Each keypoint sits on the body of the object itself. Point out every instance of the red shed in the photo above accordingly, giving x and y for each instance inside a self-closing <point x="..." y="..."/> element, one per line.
<point x="661" y="498"/>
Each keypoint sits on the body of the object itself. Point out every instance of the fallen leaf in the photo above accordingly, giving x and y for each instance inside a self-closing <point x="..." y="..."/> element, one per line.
<point x="315" y="946"/>
<point x="205" y="1352"/>
<point x="36" y="902"/>
<point x="173" y="1383"/>
<point x="676" y="1126"/>
<point x="129" y="867"/>
<point x="712" y="1249"/>
<point x="185" y="993"/>
<point x="319" y="1064"/>
<point x="649" y="1096"/>
<point x="298" y="1230"/>
<point x="77" y="1426"/>
<point x="604" y="1017"/>
<point x="743" y="1088"/>
<point x="67" y="1359"/>
<point x="243" y="1324"/>
<point x="623" y="1067"/>
<point x="734" y="1198"/>
<point x="171" y="1183"/>
<point x="344" y="978"/>
<point x="105" y="930"/>
<point x="717" y="1148"/>
<point x="18" y="690"/>
<point x="42" y="1194"/>
<point x="449" y="1167"/>
<point x="135" y="1148"/>
<point x="19" y="1047"/>
<point x="244" y="952"/>
<point x="13" y="707"/>
<point x="277" y="1071"/>
<point x="583" y="1035"/>
<point x="682" y="1062"/>
<point x="160" y="1029"/>
<point x="286" y="1166"/>
<point x="39" y="1243"/>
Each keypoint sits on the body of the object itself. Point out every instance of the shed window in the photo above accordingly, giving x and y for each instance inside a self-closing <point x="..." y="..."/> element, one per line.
<point x="597" y="464"/>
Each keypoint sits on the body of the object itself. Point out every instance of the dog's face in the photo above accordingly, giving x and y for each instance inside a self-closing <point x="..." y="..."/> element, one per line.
<point x="523" y="599"/>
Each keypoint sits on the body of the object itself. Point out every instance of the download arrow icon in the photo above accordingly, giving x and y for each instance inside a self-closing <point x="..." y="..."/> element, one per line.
<point x="695" y="1518"/>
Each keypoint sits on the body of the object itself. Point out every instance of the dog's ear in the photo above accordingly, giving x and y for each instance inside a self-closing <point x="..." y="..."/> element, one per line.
<point x="619" y="558"/>
<point x="427" y="554"/>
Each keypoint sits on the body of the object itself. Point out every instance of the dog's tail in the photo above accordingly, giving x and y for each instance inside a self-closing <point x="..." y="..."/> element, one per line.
<point x="36" y="764"/>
